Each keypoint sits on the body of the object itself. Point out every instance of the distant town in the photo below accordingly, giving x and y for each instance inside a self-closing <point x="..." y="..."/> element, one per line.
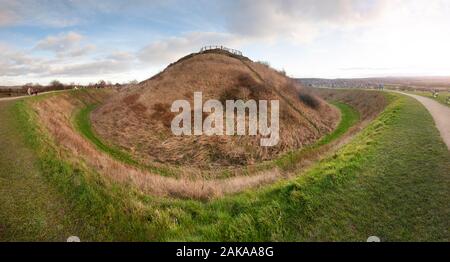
<point x="401" y="83"/>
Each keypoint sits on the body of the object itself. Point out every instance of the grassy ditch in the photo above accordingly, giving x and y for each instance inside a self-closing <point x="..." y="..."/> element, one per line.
<point x="83" y="124"/>
<point x="349" y="117"/>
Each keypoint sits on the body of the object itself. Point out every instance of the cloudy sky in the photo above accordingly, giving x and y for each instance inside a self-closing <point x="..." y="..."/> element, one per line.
<point x="85" y="41"/>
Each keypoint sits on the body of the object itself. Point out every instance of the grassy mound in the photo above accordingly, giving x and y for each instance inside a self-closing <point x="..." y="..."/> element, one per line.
<point x="139" y="119"/>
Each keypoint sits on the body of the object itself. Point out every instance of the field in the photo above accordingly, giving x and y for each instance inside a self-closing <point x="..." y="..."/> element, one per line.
<point x="391" y="180"/>
<point x="423" y="83"/>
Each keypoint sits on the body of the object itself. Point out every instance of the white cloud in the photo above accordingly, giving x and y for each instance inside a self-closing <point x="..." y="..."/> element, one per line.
<point x="60" y="43"/>
<point x="80" y="51"/>
<point x="65" y="13"/>
<point x="122" y="56"/>
<point x="7" y="17"/>
<point x="365" y="34"/>
<point x="169" y="49"/>
<point x="65" y="44"/>
<point x="29" y="12"/>
<point x="23" y="65"/>
<point x="91" y="68"/>
<point x="15" y="63"/>
<point x="297" y="20"/>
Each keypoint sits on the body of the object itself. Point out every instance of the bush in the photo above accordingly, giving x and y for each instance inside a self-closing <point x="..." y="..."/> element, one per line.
<point x="264" y="63"/>
<point x="56" y="85"/>
<point x="309" y="100"/>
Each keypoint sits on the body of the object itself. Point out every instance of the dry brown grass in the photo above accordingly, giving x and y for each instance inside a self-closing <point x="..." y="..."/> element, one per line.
<point x="55" y="113"/>
<point x="309" y="100"/>
<point x="131" y="99"/>
<point x="74" y="147"/>
<point x="221" y="77"/>
<point x="162" y="113"/>
<point x="138" y="108"/>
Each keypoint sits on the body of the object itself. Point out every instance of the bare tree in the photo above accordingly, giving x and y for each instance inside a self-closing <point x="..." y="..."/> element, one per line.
<point x="56" y="85"/>
<point x="101" y="84"/>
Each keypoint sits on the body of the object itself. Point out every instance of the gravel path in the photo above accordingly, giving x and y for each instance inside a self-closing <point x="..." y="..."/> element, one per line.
<point x="11" y="98"/>
<point x="24" y="96"/>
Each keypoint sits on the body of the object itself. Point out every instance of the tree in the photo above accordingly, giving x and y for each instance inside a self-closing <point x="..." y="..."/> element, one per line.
<point x="101" y="84"/>
<point x="56" y="85"/>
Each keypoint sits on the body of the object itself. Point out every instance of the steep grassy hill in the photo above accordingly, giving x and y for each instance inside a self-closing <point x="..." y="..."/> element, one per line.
<point x="139" y="119"/>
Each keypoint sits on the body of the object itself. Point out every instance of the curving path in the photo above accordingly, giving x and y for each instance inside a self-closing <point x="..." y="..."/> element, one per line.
<point x="440" y="114"/>
<point x="11" y="98"/>
<point x="8" y="98"/>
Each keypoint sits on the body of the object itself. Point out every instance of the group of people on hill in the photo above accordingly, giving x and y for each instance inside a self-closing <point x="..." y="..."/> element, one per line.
<point x="435" y="94"/>
<point x="31" y="91"/>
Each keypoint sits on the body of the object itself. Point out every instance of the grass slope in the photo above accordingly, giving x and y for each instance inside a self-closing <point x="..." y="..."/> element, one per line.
<point x="30" y="207"/>
<point x="349" y="117"/>
<point x="97" y="209"/>
<point x="83" y="124"/>
<point x="392" y="180"/>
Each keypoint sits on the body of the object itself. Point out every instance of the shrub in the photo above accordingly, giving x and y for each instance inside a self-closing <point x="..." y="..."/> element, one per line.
<point x="230" y="94"/>
<point x="309" y="100"/>
<point x="255" y="89"/>
<point x="56" y="85"/>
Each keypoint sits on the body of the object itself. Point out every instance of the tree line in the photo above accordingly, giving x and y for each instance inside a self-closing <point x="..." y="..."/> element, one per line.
<point x="56" y="85"/>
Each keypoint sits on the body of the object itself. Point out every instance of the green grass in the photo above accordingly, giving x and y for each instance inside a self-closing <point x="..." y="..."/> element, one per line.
<point x="97" y="210"/>
<point x="349" y="117"/>
<point x="442" y="97"/>
<point x="83" y="125"/>
<point x="392" y="180"/>
<point x="30" y="207"/>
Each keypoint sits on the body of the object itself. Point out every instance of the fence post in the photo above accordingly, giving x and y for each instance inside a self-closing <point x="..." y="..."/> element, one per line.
<point x="221" y="47"/>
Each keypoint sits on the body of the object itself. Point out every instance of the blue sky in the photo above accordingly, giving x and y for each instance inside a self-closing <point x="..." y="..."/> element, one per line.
<point x="85" y="41"/>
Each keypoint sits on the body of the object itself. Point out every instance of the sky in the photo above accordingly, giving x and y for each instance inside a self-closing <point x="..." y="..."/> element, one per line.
<point x="84" y="41"/>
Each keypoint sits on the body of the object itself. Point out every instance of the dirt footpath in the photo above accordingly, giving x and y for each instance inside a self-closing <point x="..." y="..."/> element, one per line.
<point x="440" y="113"/>
<point x="11" y="98"/>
